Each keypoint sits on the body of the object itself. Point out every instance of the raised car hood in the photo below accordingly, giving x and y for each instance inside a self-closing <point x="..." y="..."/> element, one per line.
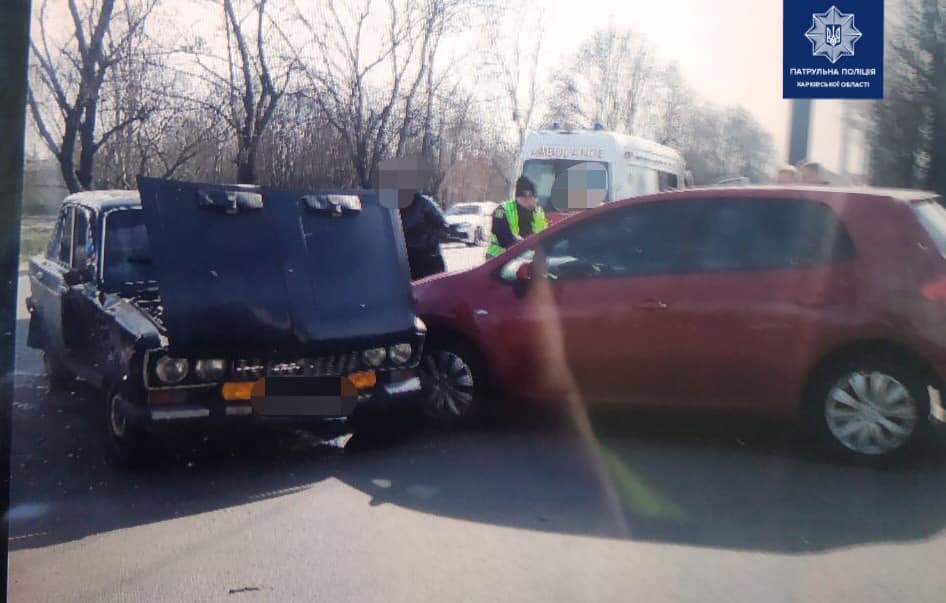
<point x="260" y="272"/>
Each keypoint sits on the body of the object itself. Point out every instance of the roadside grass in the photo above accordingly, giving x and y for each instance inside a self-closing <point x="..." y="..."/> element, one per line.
<point x="35" y="231"/>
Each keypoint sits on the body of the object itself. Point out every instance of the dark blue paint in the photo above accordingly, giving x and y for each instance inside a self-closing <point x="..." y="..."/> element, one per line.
<point x="275" y="281"/>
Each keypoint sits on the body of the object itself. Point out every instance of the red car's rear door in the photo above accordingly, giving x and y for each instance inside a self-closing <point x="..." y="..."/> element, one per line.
<point x="747" y="317"/>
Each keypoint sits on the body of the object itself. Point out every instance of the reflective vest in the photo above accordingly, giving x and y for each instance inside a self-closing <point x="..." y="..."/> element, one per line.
<point x="539" y="223"/>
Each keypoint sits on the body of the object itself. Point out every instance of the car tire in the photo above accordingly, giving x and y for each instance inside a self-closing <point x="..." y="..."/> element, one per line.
<point x="57" y="374"/>
<point x="454" y="379"/>
<point x="871" y="410"/>
<point x="125" y="442"/>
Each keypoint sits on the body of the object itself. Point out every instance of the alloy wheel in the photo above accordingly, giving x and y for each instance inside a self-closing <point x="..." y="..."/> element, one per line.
<point x="450" y="385"/>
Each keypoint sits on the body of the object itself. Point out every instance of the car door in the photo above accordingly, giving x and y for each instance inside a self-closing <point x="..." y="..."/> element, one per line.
<point x="80" y="306"/>
<point x="47" y="285"/>
<point x="746" y="316"/>
<point x="610" y="277"/>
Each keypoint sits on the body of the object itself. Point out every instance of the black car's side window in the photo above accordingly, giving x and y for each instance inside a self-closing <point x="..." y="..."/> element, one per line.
<point x="55" y="241"/>
<point x="63" y="240"/>
<point x="760" y="234"/>
<point x="643" y="239"/>
<point x="83" y="243"/>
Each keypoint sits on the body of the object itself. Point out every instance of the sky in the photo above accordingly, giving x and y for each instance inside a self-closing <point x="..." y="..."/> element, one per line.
<point x="728" y="50"/>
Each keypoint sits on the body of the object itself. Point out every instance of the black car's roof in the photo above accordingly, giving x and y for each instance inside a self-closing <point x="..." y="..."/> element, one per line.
<point x="105" y="200"/>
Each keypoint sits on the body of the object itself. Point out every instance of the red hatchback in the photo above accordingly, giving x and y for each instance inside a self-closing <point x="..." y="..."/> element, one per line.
<point x="815" y="304"/>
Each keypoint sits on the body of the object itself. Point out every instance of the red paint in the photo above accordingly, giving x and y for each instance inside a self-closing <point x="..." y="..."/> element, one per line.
<point x="724" y="340"/>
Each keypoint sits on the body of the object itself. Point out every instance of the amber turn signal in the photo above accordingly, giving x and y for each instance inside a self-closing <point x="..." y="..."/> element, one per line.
<point x="244" y="390"/>
<point x="363" y="379"/>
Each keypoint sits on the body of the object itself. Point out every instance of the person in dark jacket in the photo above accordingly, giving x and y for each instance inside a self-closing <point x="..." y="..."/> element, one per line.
<point x="425" y="228"/>
<point x="424" y="225"/>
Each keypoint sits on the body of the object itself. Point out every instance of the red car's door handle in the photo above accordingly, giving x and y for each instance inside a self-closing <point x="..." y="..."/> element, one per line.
<point x="651" y="304"/>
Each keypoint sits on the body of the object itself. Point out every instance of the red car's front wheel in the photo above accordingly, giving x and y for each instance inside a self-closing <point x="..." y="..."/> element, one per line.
<point x="453" y="381"/>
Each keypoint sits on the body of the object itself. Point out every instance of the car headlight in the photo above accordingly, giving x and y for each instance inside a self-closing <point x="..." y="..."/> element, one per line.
<point x="400" y="353"/>
<point x="374" y="356"/>
<point x="171" y="370"/>
<point x="210" y="370"/>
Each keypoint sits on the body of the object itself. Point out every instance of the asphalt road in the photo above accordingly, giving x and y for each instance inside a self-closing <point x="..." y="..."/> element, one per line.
<point x="645" y="510"/>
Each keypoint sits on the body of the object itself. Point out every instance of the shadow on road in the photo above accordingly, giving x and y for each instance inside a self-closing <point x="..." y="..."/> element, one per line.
<point x="733" y="486"/>
<point x="744" y="486"/>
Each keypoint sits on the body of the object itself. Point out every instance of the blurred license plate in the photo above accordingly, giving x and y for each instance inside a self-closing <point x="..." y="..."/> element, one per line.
<point x="303" y="386"/>
<point x="304" y="396"/>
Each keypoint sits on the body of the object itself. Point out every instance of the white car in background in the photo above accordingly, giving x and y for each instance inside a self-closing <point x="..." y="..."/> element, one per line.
<point x="471" y="223"/>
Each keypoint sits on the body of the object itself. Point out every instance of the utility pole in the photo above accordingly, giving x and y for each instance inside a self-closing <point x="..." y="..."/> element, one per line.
<point x="798" y="130"/>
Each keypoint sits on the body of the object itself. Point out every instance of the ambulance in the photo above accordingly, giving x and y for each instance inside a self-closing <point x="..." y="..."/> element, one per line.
<point x="579" y="169"/>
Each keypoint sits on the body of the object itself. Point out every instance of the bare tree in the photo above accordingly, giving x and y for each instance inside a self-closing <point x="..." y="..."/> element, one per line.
<point x="513" y="63"/>
<point x="68" y="76"/>
<point x="144" y="79"/>
<point x="666" y="118"/>
<point x="242" y="88"/>
<point x="605" y="82"/>
<point x="907" y="129"/>
<point x="517" y="58"/>
<point x="340" y="76"/>
<point x="252" y="93"/>
<point x="724" y="143"/>
<point x="301" y="149"/>
<point x="378" y="96"/>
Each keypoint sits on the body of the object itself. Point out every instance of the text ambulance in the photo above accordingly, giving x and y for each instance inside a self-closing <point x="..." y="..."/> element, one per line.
<point x="616" y="166"/>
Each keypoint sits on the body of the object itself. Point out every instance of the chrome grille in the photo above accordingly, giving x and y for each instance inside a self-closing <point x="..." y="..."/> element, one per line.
<point x="334" y="365"/>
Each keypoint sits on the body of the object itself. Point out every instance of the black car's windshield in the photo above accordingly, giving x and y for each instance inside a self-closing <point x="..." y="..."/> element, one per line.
<point x="127" y="258"/>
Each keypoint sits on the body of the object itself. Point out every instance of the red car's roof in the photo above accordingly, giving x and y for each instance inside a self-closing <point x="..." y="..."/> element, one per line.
<point x="833" y="196"/>
<point x="836" y="197"/>
<point x="827" y="193"/>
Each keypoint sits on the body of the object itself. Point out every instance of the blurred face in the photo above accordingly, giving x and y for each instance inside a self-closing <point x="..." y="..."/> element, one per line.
<point x="404" y="175"/>
<point x="405" y="196"/>
<point x="528" y="200"/>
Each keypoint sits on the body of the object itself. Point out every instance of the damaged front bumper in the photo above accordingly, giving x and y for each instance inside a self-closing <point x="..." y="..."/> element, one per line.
<point x="279" y="404"/>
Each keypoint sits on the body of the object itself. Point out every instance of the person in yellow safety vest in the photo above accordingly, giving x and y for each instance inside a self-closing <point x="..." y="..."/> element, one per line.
<point x="516" y="219"/>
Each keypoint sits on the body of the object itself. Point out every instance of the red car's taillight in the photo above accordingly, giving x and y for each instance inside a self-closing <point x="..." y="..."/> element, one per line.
<point x="935" y="290"/>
